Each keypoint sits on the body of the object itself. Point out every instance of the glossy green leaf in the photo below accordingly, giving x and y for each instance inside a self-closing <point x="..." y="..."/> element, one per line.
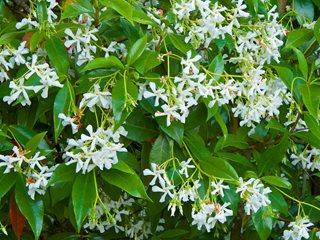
<point x="175" y="130"/>
<point x="123" y="167"/>
<point x="196" y="117"/>
<point x="312" y="124"/>
<point x="33" y="143"/>
<point x="35" y="39"/>
<point x="63" y="173"/>
<point x="217" y="65"/>
<point x="179" y="43"/>
<point x="7" y="180"/>
<point x="277" y="181"/>
<point x="140" y="127"/>
<point x="77" y="8"/>
<point x="147" y="61"/>
<point x="303" y="65"/>
<point x="131" y="183"/>
<point x="304" y="8"/>
<point x="83" y="197"/>
<point x="236" y="157"/>
<point x="298" y="37"/>
<point x="109" y="62"/>
<point x="273" y="155"/>
<point x="316" y="29"/>
<point x="42" y="11"/>
<point x="58" y="55"/>
<point x="219" y="167"/>
<point x="33" y="210"/>
<point x="63" y="103"/>
<point x="160" y="151"/>
<point x="121" y="6"/>
<point x="263" y="222"/>
<point x="173" y="233"/>
<point x="122" y="92"/>
<point x="311" y="98"/>
<point x="136" y="50"/>
<point x="197" y="146"/>
<point x="277" y="201"/>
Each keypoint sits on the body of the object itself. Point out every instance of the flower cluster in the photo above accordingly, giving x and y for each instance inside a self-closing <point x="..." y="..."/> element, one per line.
<point x="32" y="167"/>
<point x="117" y="215"/>
<point x="98" y="149"/>
<point x="299" y="229"/>
<point x="309" y="159"/>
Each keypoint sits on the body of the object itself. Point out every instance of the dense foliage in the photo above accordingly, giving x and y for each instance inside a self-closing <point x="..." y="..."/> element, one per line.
<point x="187" y="119"/>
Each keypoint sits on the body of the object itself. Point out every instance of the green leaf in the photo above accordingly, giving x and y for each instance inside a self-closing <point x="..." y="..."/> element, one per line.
<point x="147" y="61"/>
<point x="303" y="65"/>
<point x="8" y="37"/>
<point x="33" y="210"/>
<point x="83" y="197"/>
<point x="160" y="151"/>
<point x="58" y="55"/>
<point x="311" y="98"/>
<point x="179" y="43"/>
<point x="219" y="167"/>
<point x="217" y="65"/>
<point x="196" y="117"/>
<point x="33" y="143"/>
<point x="312" y="124"/>
<point x="222" y="124"/>
<point x="274" y="124"/>
<point x="273" y="155"/>
<point x="277" y="181"/>
<point x="121" y="92"/>
<point x="131" y="183"/>
<point x="277" y="201"/>
<point x="42" y="11"/>
<point x="121" y="6"/>
<point x="123" y="167"/>
<point x="35" y="39"/>
<point x="75" y="9"/>
<point x="173" y="233"/>
<point x="298" y="37"/>
<point x="316" y="30"/>
<point x="24" y="134"/>
<point x="136" y="50"/>
<point x="263" y="222"/>
<point x="109" y="62"/>
<point x="63" y="173"/>
<point x="175" y="130"/>
<point x="7" y="180"/>
<point x="140" y="127"/>
<point x="236" y="157"/>
<point x="197" y="146"/>
<point x="62" y="104"/>
<point x="304" y="8"/>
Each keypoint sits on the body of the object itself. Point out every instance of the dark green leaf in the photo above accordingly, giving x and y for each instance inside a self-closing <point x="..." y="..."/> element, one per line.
<point x="58" y="55"/>
<point x="63" y="173"/>
<point x="136" y="50"/>
<point x="120" y="6"/>
<point x="34" y="142"/>
<point x="235" y="157"/>
<point x="83" y="197"/>
<point x="316" y="29"/>
<point x="219" y="167"/>
<point x="273" y="156"/>
<point x="147" y="61"/>
<point x="311" y="98"/>
<point x="33" y="210"/>
<point x="278" y="202"/>
<point x="304" y="8"/>
<point x="62" y="104"/>
<point x="303" y="65"/>
<point x="263" y="222"/>
<point x="131" y="183"/>
<point x="298" y="37"/>
<point x="175" y="130"/>
<point x="140" y="128"/>
<point x="35" y="39"/>
<point x="179" y="43"/>
<point x="109" y="62"/>
<point x="160" y="151"/>
<point x="173" y="233"/>
<point x="277" y="181"/>
<point x="75" y="9"/>
<point x="7" y="180"/>
<point x="42" y="11"/>
<point x="312" y="124"/>
<point x="123" y="167"/>
<point x="217" y="65"/>
<point x="197" y="146"/>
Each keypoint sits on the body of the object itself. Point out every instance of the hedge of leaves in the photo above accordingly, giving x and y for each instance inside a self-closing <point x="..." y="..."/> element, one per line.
<point x="187" y="119"/>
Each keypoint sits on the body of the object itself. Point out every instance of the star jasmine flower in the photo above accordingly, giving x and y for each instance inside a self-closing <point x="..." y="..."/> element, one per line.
<point x="18" y="53"/>
<point x="189" y="63"/>
<point x="184" y="167"/>
<point x="158" y="93"/>
<point x="156" y="172"/>
<point x="218" y="188"/>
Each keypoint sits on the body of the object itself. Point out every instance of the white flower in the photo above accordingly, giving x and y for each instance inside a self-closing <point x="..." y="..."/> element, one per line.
<point x="75" y="40"/>
<point x="166" y="188"/>
<point x="69" y="121"/>
<point x="18" y="53"/>
<point x="298" y="229"/>
<point x="184" y="167"/>
<point x="27" y="21"/>
<point x="99" y="98"/>
<point x="254" y="193"/>
<point x="189" y="63"/>
<point x="158" y="93"/>
<point x="156" y="172"/>
<point x="110" y="48"/>
<point x="218" y="188"/>
<point x="169" y="112"/>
